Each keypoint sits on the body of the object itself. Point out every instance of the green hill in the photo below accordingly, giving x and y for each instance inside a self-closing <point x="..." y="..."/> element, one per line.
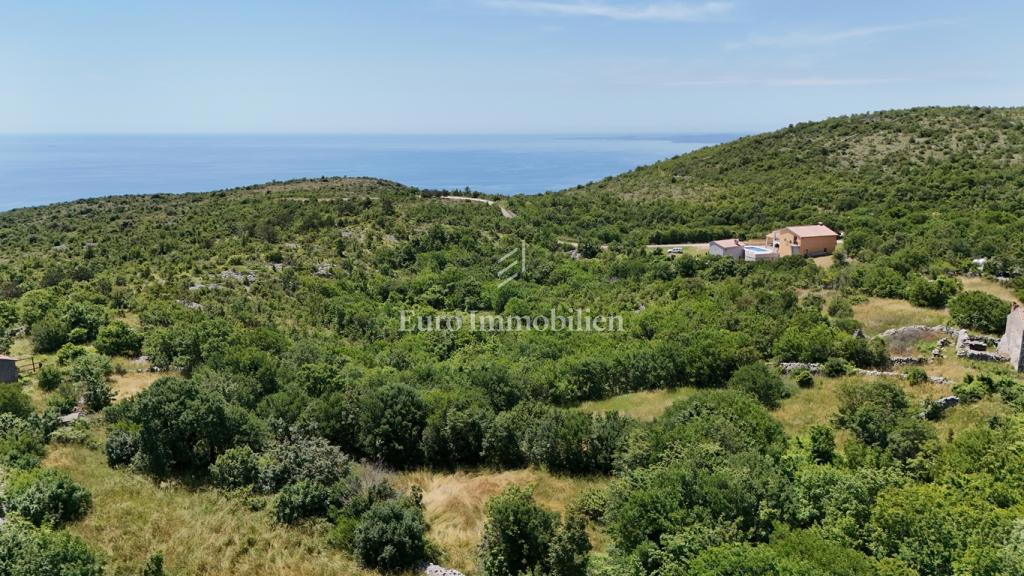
<point x="945" y="182"/>
<point x="241" y="359"/>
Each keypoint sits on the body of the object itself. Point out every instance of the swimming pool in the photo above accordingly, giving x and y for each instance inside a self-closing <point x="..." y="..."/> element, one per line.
<point x="757" y="249"/>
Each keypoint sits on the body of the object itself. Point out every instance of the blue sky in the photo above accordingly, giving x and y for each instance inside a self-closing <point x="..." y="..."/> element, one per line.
<point x="493" y="66"/>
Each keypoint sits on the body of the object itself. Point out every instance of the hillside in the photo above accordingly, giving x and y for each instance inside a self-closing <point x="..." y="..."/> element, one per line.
<point x="248" y="397"/>
<point x="945" y="181"/>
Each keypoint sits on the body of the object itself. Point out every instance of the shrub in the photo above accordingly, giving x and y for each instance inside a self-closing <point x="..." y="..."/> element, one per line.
<point x="49" y="334"/>
<point x="236" y="468"/>
<point x="760" y="381"/>
<point x="303" y="457"/>
<point x="823" y="444"/>
<point x="916" y="375"/>
<point x="310" y="499"/>
<point x="391" y="536"/>
<point x="50" y="377"/>
<point x="122" y="446"/>
<point x="836" y="367"/>
<point x="21" y="444"/>
<point x="979" y="311"/>
<point x="69" y="352"/>
<point x="804" y="379"/>
<point x="44" y="495"/>
<point x="14" y="401"/>
<point x="154" y="566"/>
<point x="517" y="535"/>
<point x="30" y="551"/>
<point x="77" y="434"/>
<point x="118" y="339"/>
<point x="932" y="294"/>
<point x="78" y="336"/>
<point x="970" y="390"/>
<point x="871" y="410"/>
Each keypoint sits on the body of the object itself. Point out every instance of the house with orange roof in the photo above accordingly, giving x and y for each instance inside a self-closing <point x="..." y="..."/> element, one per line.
<point x="732" y="248"/>
<point x="815" y="240"/>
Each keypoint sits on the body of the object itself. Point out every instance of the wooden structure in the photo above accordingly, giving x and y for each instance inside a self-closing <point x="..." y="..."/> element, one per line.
<point x="8" y="369"/>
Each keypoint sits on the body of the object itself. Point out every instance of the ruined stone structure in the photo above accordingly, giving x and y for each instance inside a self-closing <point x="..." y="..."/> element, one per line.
<point x="1010" y="346"/>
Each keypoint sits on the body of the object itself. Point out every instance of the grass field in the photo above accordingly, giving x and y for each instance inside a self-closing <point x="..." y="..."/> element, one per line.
<point x="644" y="406"/>
<point x="990" y="286"/>
<point x="456" y="505"/>
<point x="198" y="532"/>
<point x="880" y="314"/>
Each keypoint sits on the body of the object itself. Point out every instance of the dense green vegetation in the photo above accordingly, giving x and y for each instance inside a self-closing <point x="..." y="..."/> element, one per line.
<point x="273" y="315"/>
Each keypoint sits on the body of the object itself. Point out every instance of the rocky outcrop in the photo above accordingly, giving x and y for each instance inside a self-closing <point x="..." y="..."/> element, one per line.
<point x="790" y="367"/>
<point x="916" y="330"/>
<point x="907" y="361"/>
<point x="435" y="570"/>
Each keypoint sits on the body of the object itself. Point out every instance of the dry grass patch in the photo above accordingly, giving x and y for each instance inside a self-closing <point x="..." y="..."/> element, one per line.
<point x="997" y="289"/>
<point x="809" y="406"/>
<point x="456" y="504"/>
<point x="644" y="406"/>
<point x="131" y="383"/>
<point x="824" y="261"/>
<point x="880" y="314"/>
<point x="967" y="416"/>
<point x="198" y="532"/>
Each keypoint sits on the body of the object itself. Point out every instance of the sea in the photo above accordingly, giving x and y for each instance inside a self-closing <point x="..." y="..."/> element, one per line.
<point x="45" y="169"/>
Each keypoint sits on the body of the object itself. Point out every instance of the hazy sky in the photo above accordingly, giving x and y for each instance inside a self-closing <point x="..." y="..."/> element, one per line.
<point x="485" y="66"/>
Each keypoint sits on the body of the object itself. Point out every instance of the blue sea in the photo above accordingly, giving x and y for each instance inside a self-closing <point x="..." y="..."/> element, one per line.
<point x="43" y="169"/>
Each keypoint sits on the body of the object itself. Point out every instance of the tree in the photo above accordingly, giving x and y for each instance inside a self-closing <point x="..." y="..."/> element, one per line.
<point x="930" y="527"/>
<point x="760" y="381"/>
<point x="49" y="334"/>
<point x="118" y="339"/>
<point x="182" y="426"/>
<point x="517" y="535"/>
<point x="454" y="431"/>
<point x="393" y="418"/>
<point x="391" y="535"/>
<point x="979" y="311"/>
<point x="91" y="373"/>
<point x="570" y="548"/>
